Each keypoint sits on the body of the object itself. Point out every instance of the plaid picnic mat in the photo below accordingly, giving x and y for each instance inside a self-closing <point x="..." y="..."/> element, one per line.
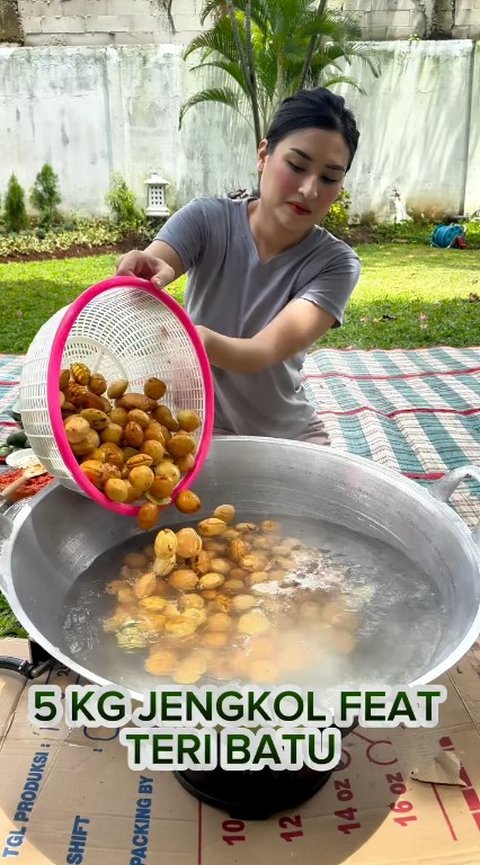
<point x="417" y="412"/>
<point x="10" y="371"/>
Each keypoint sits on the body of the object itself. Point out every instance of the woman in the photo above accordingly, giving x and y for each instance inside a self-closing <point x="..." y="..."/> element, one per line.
<point x="264" y="281"/>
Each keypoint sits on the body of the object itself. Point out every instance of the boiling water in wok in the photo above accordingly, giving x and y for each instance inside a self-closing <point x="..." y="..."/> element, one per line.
<point x="400" y="614"/>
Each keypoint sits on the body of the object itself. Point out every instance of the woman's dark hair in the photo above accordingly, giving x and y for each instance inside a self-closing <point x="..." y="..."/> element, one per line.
<point x="318" y="108"/>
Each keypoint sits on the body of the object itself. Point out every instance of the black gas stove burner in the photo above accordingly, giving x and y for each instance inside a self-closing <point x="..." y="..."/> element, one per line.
<point x="256" y="794"/>
<point x="253" y="795"/>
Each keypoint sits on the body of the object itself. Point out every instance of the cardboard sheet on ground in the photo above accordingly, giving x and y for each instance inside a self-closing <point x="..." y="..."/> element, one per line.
<point x="400" y="796"/>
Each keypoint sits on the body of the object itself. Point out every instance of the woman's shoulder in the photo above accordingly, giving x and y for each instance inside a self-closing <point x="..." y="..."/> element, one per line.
<point x="216" y="213"/>
<point x="213" y="204"/>
<point x="327" y="254"/>
<point x="330" y="246"/>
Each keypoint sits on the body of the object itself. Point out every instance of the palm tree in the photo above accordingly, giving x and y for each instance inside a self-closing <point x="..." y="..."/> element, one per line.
<point x="260" y="51"/>
<point x="441" y="21"/>
<point x="165" y="9"/>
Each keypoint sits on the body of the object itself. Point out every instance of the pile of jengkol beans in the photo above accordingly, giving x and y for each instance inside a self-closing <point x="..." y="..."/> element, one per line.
<point x="129" y="445"/>
<point x="205" y="601"/>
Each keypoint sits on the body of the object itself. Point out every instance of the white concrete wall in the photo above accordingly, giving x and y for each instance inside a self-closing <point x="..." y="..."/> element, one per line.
<point x="90" y="111"/>
<point x="106" y="22"/>
<point x="127" y="22"/>
<point x="472" y="182"/>
<point x="416" y="121"/>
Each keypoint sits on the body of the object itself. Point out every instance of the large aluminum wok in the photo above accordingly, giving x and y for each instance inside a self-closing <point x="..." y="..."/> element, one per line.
<point x="51" y="540"/>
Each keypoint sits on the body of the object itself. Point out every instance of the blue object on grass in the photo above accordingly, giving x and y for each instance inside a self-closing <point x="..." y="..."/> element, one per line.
<point x="444" y="236"/>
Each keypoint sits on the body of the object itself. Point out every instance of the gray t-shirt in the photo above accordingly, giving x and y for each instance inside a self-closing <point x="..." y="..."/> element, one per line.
<point x="231" y="291"/>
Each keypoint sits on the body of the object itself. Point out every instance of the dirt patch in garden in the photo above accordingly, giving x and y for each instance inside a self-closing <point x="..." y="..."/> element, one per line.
<point x="355" y="236"/>
<point x="77" y="251"/>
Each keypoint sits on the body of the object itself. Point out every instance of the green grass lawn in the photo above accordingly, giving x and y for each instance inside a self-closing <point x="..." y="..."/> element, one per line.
<point x="408" y="296"/>
<point x="9" y="627"/>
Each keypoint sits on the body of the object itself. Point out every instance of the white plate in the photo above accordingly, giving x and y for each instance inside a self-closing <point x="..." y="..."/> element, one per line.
<point x="21" y="459"/>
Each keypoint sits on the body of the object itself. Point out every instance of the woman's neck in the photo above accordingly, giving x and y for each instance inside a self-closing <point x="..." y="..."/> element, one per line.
<point x="270" y="238"/>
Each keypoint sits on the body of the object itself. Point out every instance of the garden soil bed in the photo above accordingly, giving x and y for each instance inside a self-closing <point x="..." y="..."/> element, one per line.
<point x="77" y="251"/>
<point x="357" y="236"/>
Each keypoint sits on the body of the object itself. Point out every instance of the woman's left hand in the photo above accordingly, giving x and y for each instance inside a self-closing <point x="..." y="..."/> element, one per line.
<point x="205" y="335"/>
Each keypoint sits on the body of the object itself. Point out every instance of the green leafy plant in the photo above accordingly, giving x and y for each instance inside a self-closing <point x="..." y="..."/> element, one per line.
<point x="9" y="626"/>
<point x="15" y="214"/>
<point x="261" y="51"/>
<point x="336" y="220"/>
<point x="45" y="197"/>
<point x="123" y="206"/>
<point x="88" y="234"/>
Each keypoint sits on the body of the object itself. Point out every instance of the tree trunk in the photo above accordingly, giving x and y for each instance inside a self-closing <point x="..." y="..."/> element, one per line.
<point x="251" y="72"/>
<point x="165" y="9"/>
<point x="244" y="63"/>
<point x="443" y="19"/>
<point x="10" y="25"/>
<point x="311" y="48"/>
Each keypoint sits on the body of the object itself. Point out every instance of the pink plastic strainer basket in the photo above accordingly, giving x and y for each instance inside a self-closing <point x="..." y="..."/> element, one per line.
<point x="123" y="327"/>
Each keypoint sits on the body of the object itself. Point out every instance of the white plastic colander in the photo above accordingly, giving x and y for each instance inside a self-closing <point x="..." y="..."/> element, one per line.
<point x="123" y="328"/>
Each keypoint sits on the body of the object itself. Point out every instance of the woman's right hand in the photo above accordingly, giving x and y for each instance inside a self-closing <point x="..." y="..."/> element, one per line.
<point x="146" y="266"/>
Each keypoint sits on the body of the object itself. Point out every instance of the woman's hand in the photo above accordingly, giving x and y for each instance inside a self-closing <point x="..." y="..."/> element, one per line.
<point x="146" y="266"/>
<point x="205" y="335"/>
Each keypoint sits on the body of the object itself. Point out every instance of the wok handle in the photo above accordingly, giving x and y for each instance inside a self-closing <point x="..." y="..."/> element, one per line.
<point x="446" y="486"/>
<point x="6" y="526"/>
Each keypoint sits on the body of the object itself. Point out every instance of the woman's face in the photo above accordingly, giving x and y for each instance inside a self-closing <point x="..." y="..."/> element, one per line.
<point x="302" y="177"/>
